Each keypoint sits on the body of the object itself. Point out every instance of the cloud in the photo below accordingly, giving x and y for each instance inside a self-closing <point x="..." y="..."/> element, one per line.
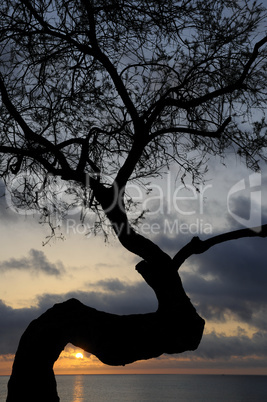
<point x="219" y="346"/>
<point x="114" y="285"/>
<point x="110" y="295"/>
<point x="35" y="263"/>
<point x="13" y="323"/>
<point x="230" y="279"/>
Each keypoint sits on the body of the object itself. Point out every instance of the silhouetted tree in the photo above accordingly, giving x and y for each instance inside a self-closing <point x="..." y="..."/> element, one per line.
<point x="99" y="93"/>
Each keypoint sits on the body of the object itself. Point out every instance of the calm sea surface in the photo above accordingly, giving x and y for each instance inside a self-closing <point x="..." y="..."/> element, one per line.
<point x="157" y="388"/>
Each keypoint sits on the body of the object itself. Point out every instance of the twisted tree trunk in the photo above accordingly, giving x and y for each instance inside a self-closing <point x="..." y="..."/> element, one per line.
<point x="116" y="340"/>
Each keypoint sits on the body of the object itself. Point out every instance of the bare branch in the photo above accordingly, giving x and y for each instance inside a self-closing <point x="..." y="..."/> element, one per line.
<point x="109" y="66"/>
<point x="35" y="155"/>
<point x="197" y="246"/>
<point x="238" y="84"/>
<point x="48" y="29"/>
<point x="30" y="135"/>
<point x="165" y="100"/>
<point x="187" y="130"/>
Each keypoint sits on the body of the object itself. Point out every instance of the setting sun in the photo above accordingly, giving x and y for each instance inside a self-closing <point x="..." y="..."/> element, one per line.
<point x="79" y="355"/>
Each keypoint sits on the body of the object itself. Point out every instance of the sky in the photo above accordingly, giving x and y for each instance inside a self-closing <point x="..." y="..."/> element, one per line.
<point x="227" y="284"/>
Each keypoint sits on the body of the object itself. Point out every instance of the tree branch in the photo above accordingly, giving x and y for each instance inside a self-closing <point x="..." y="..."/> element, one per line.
<point x="238" y="84"/>
<point x="49" y="29"/>
<point x="111" y="200"/>
<point x="165" y="100"/>
<point x="253" y="57"/>
<point x="34" y="154"/>
<point x="94" y="51"/>
<point x="30" y="135"/>
<point x="187" y="130"/>
<point x="109" y="66"/>
<point x="197" y="246"/>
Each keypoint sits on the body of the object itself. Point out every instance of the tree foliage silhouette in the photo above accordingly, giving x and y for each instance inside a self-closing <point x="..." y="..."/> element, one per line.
<point x="96" y="94"/>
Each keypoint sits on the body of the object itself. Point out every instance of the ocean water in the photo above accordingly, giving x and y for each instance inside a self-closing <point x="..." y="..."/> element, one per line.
<point x="157" y="388"/>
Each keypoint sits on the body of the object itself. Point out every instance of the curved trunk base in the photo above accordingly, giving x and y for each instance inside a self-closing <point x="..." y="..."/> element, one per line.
<point x="114" y="339"/>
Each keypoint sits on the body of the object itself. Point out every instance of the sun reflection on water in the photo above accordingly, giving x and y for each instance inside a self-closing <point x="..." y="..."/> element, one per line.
<point x="78" y="386"/>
